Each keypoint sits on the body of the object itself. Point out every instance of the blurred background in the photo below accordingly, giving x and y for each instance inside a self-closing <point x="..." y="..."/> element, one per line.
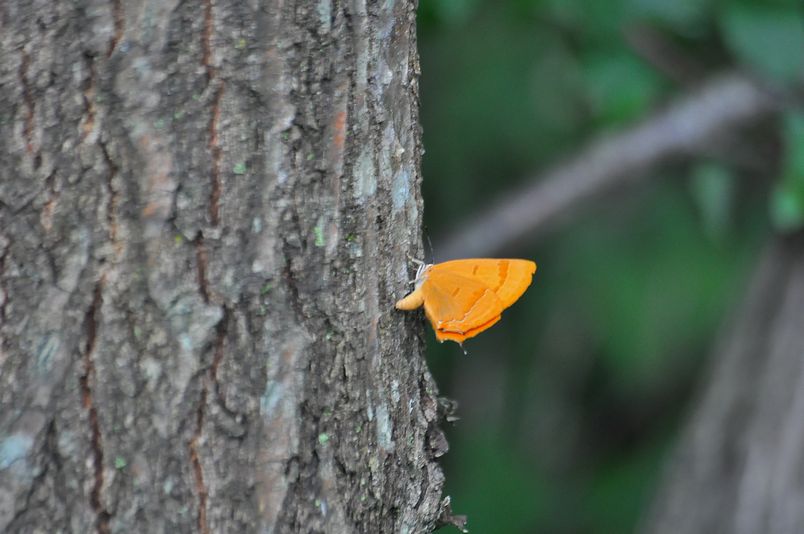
<point x="571" y="403"/>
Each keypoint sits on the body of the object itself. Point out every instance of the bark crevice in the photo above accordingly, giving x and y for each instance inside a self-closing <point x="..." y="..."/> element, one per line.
<point x="119" y="21"/>
<point x="201" y="266"/>
<point x="87" y="380"/>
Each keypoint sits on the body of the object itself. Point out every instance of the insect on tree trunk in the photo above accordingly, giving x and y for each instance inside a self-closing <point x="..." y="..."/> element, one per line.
<point x="205" y="215"/>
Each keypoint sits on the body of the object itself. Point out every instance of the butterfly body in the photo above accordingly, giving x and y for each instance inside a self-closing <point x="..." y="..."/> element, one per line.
<point x="462" y="298"/>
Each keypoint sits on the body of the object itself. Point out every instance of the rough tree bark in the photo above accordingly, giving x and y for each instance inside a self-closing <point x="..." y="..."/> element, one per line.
<point x="205" y="212"/>
<point x="739" y="468"/>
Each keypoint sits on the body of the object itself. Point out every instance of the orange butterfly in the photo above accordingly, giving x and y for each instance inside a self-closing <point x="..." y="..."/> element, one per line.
<point x="464" y="297"/>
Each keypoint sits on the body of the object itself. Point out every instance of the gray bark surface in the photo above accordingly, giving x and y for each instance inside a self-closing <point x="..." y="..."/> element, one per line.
<point x="739" y="468"/>
<point x="205" y="212"/>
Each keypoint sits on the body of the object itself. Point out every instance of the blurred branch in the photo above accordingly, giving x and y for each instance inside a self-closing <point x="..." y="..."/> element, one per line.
<point x="738" y="466"/>
<point x="685" y="129"/>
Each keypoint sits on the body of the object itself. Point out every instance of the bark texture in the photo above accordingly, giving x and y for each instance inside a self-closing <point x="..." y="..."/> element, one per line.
<point x="205" y="212"/>
<point x="739" y="468"/>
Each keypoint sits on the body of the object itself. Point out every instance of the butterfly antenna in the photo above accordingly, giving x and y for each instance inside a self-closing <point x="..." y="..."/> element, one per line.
<point x="432" y="251"/>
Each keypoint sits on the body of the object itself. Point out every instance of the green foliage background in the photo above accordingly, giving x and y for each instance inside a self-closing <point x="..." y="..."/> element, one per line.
<point x="570" y="405"/>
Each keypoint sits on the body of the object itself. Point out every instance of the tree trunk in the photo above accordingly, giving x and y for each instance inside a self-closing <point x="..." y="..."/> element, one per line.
<point x="205" y="215"/>
<point x="739" y="468"/>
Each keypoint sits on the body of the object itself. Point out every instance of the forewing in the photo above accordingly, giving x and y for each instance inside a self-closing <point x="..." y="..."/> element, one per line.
<point x="508" y="278"/>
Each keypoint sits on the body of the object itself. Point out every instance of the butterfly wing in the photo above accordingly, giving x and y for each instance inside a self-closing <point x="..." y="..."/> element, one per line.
<point x="458" y="306"/>
<point x="444" y="335"/>
<point x="508" y="278"/>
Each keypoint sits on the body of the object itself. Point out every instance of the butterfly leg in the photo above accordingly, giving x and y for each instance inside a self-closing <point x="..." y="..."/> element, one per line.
<point x="420" y="267"/>
<point x="414" y="260"/>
